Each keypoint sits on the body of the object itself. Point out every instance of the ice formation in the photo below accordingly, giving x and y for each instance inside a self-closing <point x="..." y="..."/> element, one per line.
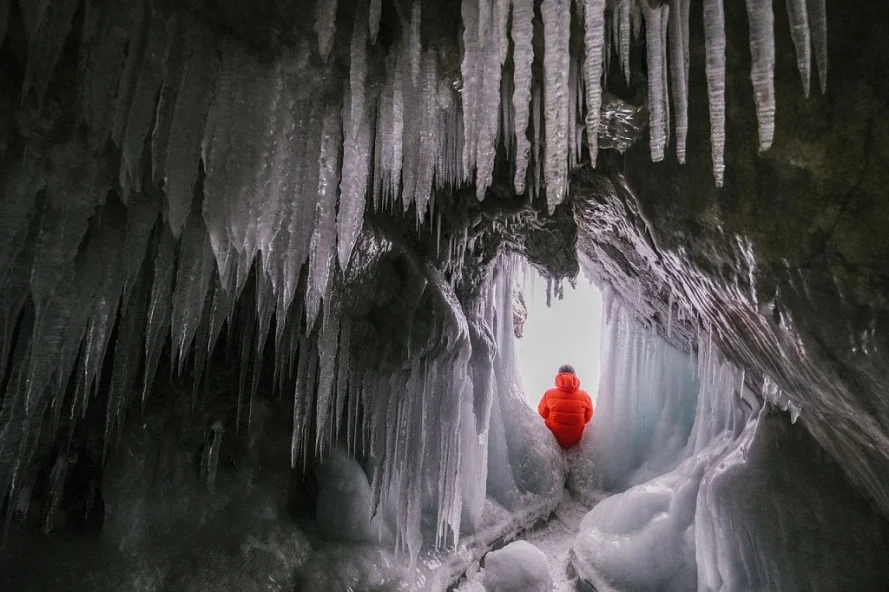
<point x="239" y="198"/>
<point x="725" y="490"/>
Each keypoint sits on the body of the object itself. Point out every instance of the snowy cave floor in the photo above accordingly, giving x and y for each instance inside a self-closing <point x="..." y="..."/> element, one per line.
<point x="554" y="538"/>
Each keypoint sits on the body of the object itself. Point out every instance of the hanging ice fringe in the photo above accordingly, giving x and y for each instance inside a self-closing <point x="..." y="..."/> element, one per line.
<point x="289" y="154"/>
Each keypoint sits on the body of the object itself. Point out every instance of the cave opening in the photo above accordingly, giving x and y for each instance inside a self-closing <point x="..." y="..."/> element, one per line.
<point x="558" y="326"/>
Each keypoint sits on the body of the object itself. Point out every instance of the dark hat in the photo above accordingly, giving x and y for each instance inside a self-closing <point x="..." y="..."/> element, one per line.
<point x="567" y="368"/>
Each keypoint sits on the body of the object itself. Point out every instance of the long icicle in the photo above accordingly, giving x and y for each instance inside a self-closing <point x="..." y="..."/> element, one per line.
<point x="594" y="17"/>
<point x="624" y="9"/>
<point x="762" y="72"/>
<point x="656" y="92"/>
<point x="714" y="35"/>
<point x="523" y="56"/>
<point x="799" y="32"/>
<point x="557" y="32"/>
<point x="679" y="72"/>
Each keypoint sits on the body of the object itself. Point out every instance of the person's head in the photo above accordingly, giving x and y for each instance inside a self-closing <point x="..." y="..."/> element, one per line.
<point x="566" y="369"/>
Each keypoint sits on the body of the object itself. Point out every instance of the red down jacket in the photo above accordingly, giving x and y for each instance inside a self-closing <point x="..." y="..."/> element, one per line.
<point x="566" y="409"/>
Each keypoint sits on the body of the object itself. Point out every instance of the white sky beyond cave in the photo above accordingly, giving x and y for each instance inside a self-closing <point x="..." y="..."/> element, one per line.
<point x="568" y="332"/>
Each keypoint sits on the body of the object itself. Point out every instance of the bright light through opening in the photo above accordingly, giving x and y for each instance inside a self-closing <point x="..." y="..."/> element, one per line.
<point x="568" y="332"/>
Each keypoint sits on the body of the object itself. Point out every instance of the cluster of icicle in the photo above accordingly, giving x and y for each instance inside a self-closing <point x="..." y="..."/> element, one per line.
<point x="291" y="158"/>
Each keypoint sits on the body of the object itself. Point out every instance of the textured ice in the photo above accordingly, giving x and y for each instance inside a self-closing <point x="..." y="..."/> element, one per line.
<point x="714" y="33"/>
<point x="723" y="496"/>
<point x="594" y="14"/>
<point x="644" y="411"/>
<point x="657" y="89"/>
<point x="557" y="101"/>
<point x="762" y="51"/>
<point x="241" y="179"/>
<point x="522" y="34"/>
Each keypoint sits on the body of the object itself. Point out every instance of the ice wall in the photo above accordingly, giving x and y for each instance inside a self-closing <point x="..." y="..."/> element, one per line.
<point x="742" y="498"/>
<point x="645" y="407"/>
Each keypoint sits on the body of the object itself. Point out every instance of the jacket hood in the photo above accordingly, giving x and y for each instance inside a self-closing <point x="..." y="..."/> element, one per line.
<point x="567" y="382"/>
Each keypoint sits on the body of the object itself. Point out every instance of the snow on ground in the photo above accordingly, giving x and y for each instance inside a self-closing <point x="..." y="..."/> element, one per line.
<point x="554" y="539"/>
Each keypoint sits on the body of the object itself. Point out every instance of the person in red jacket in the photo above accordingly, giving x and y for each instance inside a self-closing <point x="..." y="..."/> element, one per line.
<point x="566" y="408"/>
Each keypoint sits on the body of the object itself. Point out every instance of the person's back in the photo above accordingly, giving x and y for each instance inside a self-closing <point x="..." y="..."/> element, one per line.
<point x="566" y="409"/>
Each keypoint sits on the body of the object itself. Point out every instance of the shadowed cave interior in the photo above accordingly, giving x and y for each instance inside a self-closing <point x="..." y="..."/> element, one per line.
<point x="261" y="274"/>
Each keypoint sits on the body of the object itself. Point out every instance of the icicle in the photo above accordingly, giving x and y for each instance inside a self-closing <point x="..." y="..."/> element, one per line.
<point x="305" y="385"/>
<point x="471" y="69"/>
<point x="523" y="56"/>
<point x="799" y="32"/>
<point x="594" y="38"/>
<point x="187" y="128"/>
<point x="714" y="35"/>
<point x="501" y="22"/>
<point x="679" y="71"/>
<point x="158" y="321"/>
<point x="195" y="268"/>
<point x="415" y="43"/>
<point x="657" y="96"/>
<point x="373" y="19"/>
<point x="142" y="216"/>
<point x="412" y="99"/>
<point x="325" y="25"/>
<point x="396" y="157"/>
<point x="302" y="220"/>
<point x="557" y="32"/>
<point x="762" y="52"/>
<point x="142" y="106"/>
<point x="324" y="234"/>
<point x="265" y="306"/>
<point x="430" y="137"/>
<point x="489" y="107"/>
<point x="170" y="87"/>
<point x="818" y="25"/>
<point x="328" y="345"/>
<point x="624" y="9"/>
<point x="665" y="71"/>
<point x="247" y="329"/>
<point x="105" y="303"/>
<point x="343" y="367"/>
<point x="357" y="151"/>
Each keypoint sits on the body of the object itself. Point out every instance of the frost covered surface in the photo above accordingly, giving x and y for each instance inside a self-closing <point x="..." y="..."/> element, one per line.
<point x="737" y="510"/>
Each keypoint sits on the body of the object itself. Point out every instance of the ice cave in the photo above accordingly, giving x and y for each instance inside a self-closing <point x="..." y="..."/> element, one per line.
<point x="264" y="288"/>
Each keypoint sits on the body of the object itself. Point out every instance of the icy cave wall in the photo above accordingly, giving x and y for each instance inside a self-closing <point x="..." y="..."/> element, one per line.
<point x="176" y="177"/>
<point x="728" y="491"/>
<point x="786" y="262"/>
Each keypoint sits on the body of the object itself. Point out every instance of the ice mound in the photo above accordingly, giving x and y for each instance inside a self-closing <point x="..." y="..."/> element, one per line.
<point x="644" y="538"/>
<point x="517" y="566"/>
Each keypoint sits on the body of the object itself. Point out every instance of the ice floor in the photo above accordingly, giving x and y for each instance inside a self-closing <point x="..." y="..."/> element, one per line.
<point x="554" y="538"/>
